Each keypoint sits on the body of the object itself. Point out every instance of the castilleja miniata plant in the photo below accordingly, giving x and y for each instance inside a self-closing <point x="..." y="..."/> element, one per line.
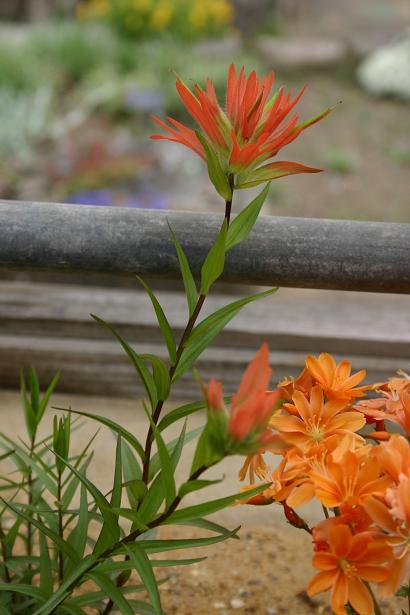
<point x="67" y="546"/>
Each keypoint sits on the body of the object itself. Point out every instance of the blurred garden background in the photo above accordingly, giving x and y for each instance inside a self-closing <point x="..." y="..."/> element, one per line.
<point x="80" y="78"/>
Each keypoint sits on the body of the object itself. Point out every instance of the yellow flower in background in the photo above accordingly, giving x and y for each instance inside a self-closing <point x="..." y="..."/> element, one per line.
<point x="144" y="6"/>
<point x="187" y="19"/>
<point x="161" y="16"/>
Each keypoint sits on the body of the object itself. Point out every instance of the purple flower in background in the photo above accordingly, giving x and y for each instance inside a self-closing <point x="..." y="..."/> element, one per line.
<point x="91" y="197"/>
<point x="146" y="199"/>
<point x="142" y="199"/>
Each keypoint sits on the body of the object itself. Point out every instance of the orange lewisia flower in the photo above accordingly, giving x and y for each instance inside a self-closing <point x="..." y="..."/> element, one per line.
<point x="312" y="421"/>
<point x="334" y="379"/>
<point x="394" y="457"/>
<point x="348" y="562"/>
<point x="251" y="129"/>
<point x="393" y="517"/>
<point x="350" y="480"/>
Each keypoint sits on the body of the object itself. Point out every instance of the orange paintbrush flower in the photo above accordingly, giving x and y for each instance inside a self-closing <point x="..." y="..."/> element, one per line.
<point x="251" y="129"/>
<point x="246" y="429"/>
<point x="349" y="561"/>
<point x="336" y="380"/>
<point x="312" y="421"/>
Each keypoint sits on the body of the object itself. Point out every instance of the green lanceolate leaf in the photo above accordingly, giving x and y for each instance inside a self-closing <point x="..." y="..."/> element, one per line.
<point x="160" y="374"/>
<point x="110" y="532"/>
<point x="215" y="171"/>
<point x="160" y="546"/>
<point x="215" y="261"/>
<point x="195" y="485"/>
<point x="200" y="510"/>
<point x="194" y="350"/>
<point x="163" y="322"/>
<point x="243" y="223"/>
<point x="167" y="471"/>
<point x="138" y="363"/>
<point x="187" y="277"/>
<point x="118" y="429"/>
<point x="59" y="542"/>
<point x="34" y="391"/>
<point x="117" y="483"/>
<point x="29" y="416"/>
<point x="112" y="591"/>
<point x="78" y="537"/>
<point x="218" y="317"/>
<point x="43" y="403"/>
<point x="180" y="413"/>
<point x="173" y="447"/>
<point x="143" y="567"/>
<point x="131" y="471"/>
<point x="46" y="576"/>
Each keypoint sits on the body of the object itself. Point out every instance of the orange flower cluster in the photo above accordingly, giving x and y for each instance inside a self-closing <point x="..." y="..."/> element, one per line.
<point x="336" y="448"/>
<point x="251" y="127"/>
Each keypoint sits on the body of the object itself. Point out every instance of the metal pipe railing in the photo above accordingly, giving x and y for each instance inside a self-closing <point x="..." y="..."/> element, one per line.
<point x="296" y="252"/>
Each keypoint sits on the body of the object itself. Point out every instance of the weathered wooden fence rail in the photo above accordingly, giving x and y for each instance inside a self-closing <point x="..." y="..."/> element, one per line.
<point x="48" y="325"/>
<point x="294" y="252"/>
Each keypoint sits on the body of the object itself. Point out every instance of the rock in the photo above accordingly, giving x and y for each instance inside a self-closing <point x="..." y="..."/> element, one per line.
<point x="300" y="53"/>
<point x="237" y="603"/>
<point x="219" y="605"/>
<point x="386" y="71"/>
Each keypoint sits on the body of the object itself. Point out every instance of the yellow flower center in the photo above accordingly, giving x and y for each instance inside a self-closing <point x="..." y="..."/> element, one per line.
<point x="348" y="569"/>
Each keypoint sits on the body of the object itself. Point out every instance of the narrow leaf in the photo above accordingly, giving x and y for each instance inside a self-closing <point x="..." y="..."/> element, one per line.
<point x="180" y="413"/>
<point x="118" y="429"/>
<point x="46" y="397"/>
<point x="137" y="362"/>
<point x="215" y="261"/>
<point x="231" y="310"/>
<point x="187" y="277"/>
<point x="162" y="321"/>
<point x="61" y="544"/>
<point x="195" y="485"/>
<point x="112" y="591"/>
<point x="243" y="223"/>
<point x="200" y="510"/>
<point x="159" y="546"/>
<point x="166" y="467"/>
<point x="143" y="567"/>
<point x="78" y="537"/>
<point x="46" y="575"/>
<point x="160" y="374"/>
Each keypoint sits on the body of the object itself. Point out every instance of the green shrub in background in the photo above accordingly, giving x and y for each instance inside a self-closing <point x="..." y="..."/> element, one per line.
<point x="186" y="19"/>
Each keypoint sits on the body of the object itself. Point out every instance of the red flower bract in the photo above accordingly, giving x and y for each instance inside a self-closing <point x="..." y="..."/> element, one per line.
<point x="254" y="127"/>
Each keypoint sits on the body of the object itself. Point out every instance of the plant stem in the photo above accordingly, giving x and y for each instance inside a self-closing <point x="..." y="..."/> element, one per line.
<point x="187" y="332"/>
<point x="60" y="528"/>
<point x="29" y="548"/>
<point x="7" y="577"/>
<point x="157" y="412"/>
<point x="228" y="204"/>
<point x="408" y="597"/>
<point x="325" y="510"/>
<point x="122" y="578"/>
<point x="377" y="610"/>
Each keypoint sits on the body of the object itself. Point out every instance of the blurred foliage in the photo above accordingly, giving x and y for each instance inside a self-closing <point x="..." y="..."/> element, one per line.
<point x="185" y="19"/>
<point x="55" y="77"/>
<point x="341" y="161"/>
